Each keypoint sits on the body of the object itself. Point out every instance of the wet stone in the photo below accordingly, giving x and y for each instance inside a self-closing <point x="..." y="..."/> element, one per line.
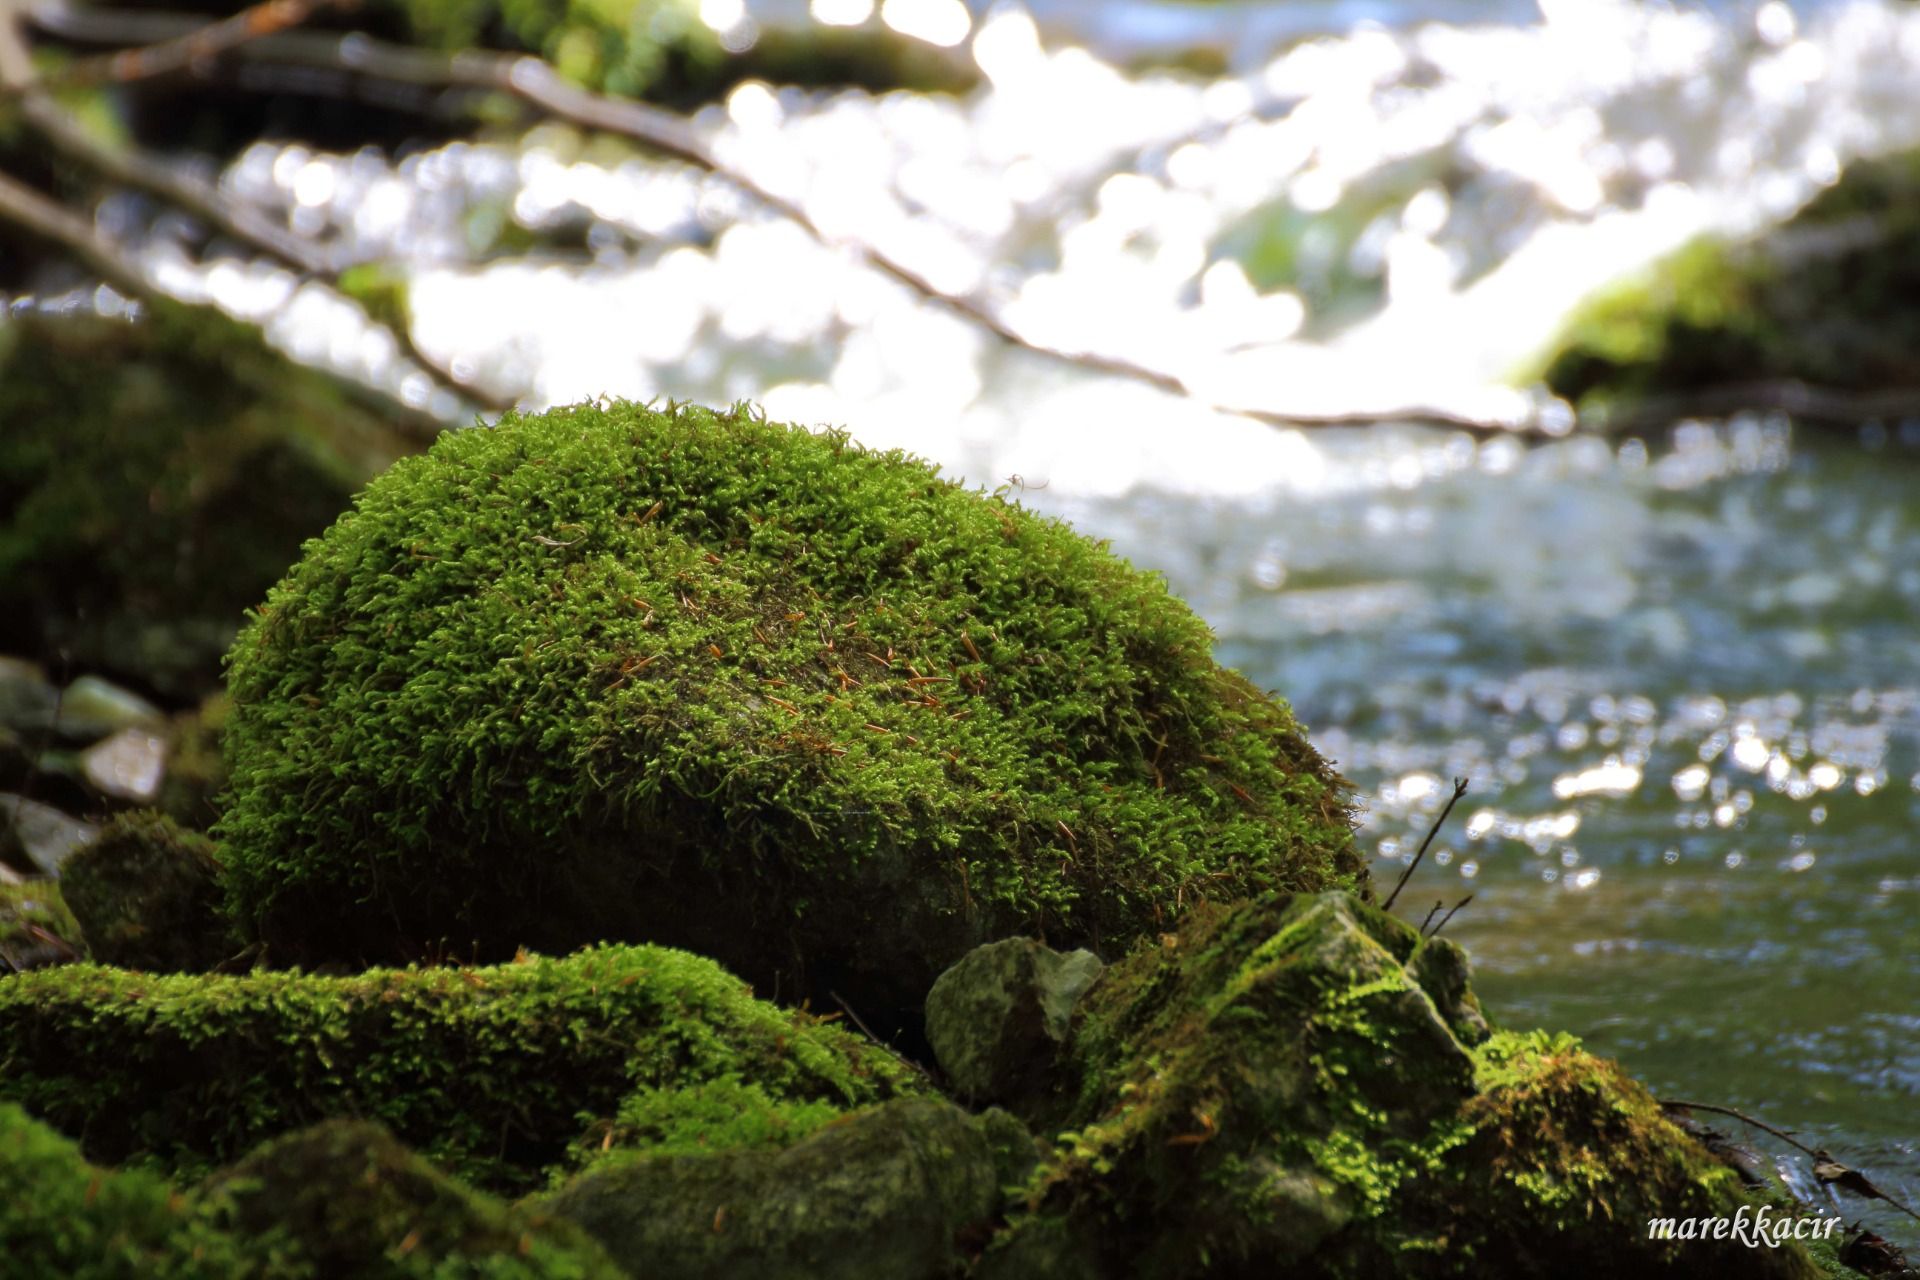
<point x="129" y="765"/>
<point x="998" y="1018"/>
<point x="36" y="836"/>
<point x="27" y="697"/>
<point x="93" y="708"/>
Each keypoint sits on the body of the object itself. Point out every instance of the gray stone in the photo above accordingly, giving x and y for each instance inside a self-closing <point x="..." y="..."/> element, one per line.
<point x="92" y="708"/>
<point x="38" y="835"/>
<point x="27" y="697"/>
<point x="129" y="765"/>
<point x="998" y="1018"/>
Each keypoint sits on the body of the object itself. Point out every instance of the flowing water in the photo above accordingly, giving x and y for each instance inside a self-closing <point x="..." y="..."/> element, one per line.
<point x="1680" y="677"/>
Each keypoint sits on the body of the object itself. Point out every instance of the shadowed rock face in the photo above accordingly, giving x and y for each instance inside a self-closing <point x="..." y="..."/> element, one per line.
<point x="158" y="476"/>
<point x="728" y="685"/>
<point x="147" y="896"/>
<point x="340" y="1199"/>
<point x="998" y="1020"/>
<point x="1302" y="1085"/>
<point x="906" y="1190"/>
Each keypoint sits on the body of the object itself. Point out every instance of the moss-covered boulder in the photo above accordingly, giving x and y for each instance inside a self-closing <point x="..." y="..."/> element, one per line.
<point x="1289" y="1087"/>
<point x="908" y="1191"/>
<point x="157" y="476"/>
<point x="1832" y="298"/>
<point x="61" y="1216"/>
<point x="343" y="1199"/>
<point x="616" y="672"/>
<point x="147" y="896"/>
<point x="491" y="1072"/>
<point x="36" y="928"/>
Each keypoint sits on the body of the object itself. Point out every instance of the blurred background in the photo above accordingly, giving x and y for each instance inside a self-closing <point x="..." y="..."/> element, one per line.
<point x="1528" y="392"/>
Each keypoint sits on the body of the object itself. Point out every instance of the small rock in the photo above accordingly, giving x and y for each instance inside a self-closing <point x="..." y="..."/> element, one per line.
<point x="93" y="708"/>
<point x="997" y="1019"/>
<point x="27" y="697"/>
<point x="38" y="835"/>
<point x="893" y="1191"/>
<point x="147" y="896"/>
<point x="130" y="765"/>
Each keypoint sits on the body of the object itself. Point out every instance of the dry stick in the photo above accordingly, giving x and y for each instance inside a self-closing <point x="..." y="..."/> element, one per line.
<point x="1443" y="919"/>
<point x="1437" y="904"/>
<point x="181" y="53"/>
<point x="1459" y="789"/>
<point x="1677" y="1104"/>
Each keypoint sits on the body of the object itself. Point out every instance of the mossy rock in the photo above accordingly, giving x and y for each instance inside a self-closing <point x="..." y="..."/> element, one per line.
<point x="61" y="1216"/>
<point x="346" y="1199"/>
<point x="1293" y="1086"/>
<point x="896" y="1191"/>
<point x="158" y="475"/>
<point x="343" y="1199"/>
<point x="1831" y="297"/>
<point x="615" y="672"/>
<point x="492" y="1072"/>
<point x="147" y="896"/>
<point x="36" y="928"/>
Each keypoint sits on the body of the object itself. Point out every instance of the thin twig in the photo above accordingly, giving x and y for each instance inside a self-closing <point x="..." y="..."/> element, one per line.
<point x="1437" y="904"/>
<point x="132" y="167"/>
<point x="868" y="1032"/>
<point x="1820" y="1157"/>
<point x="1443" y="919"/>
<point x="200" y="45"/>
<point x="1676" y="1104"/>
<point x="1459" y="789"/>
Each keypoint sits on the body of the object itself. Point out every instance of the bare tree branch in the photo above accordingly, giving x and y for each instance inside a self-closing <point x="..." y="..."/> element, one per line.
<point x="132" y="167"/>
<point x="200" y="45"/>
<point x="51" y="221"/>
<point x="537" y="84"/>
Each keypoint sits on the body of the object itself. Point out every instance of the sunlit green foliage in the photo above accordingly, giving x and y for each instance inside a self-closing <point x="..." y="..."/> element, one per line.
<point x="1828" y="298"/>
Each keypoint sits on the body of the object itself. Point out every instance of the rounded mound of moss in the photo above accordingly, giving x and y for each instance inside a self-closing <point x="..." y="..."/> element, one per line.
<point x="697" y="678"/>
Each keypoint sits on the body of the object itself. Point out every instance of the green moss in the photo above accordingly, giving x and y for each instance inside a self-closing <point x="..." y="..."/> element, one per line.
<point x="728" y="685"/>
<point x="147" y="896"/>
<point x="490" y="1072"/>
<point x="896" y="1191"/>
<point x="342" y="1199"/>
<point x="1303" y="1085"/>
<point x="1564" y="1163"/>
<point x="35" y="926"/>
<point x="157" y="477"/>
<point x="1828" y="298"/>
<point x="59" y="1216"/>
<point x="1249" y="1087"/>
